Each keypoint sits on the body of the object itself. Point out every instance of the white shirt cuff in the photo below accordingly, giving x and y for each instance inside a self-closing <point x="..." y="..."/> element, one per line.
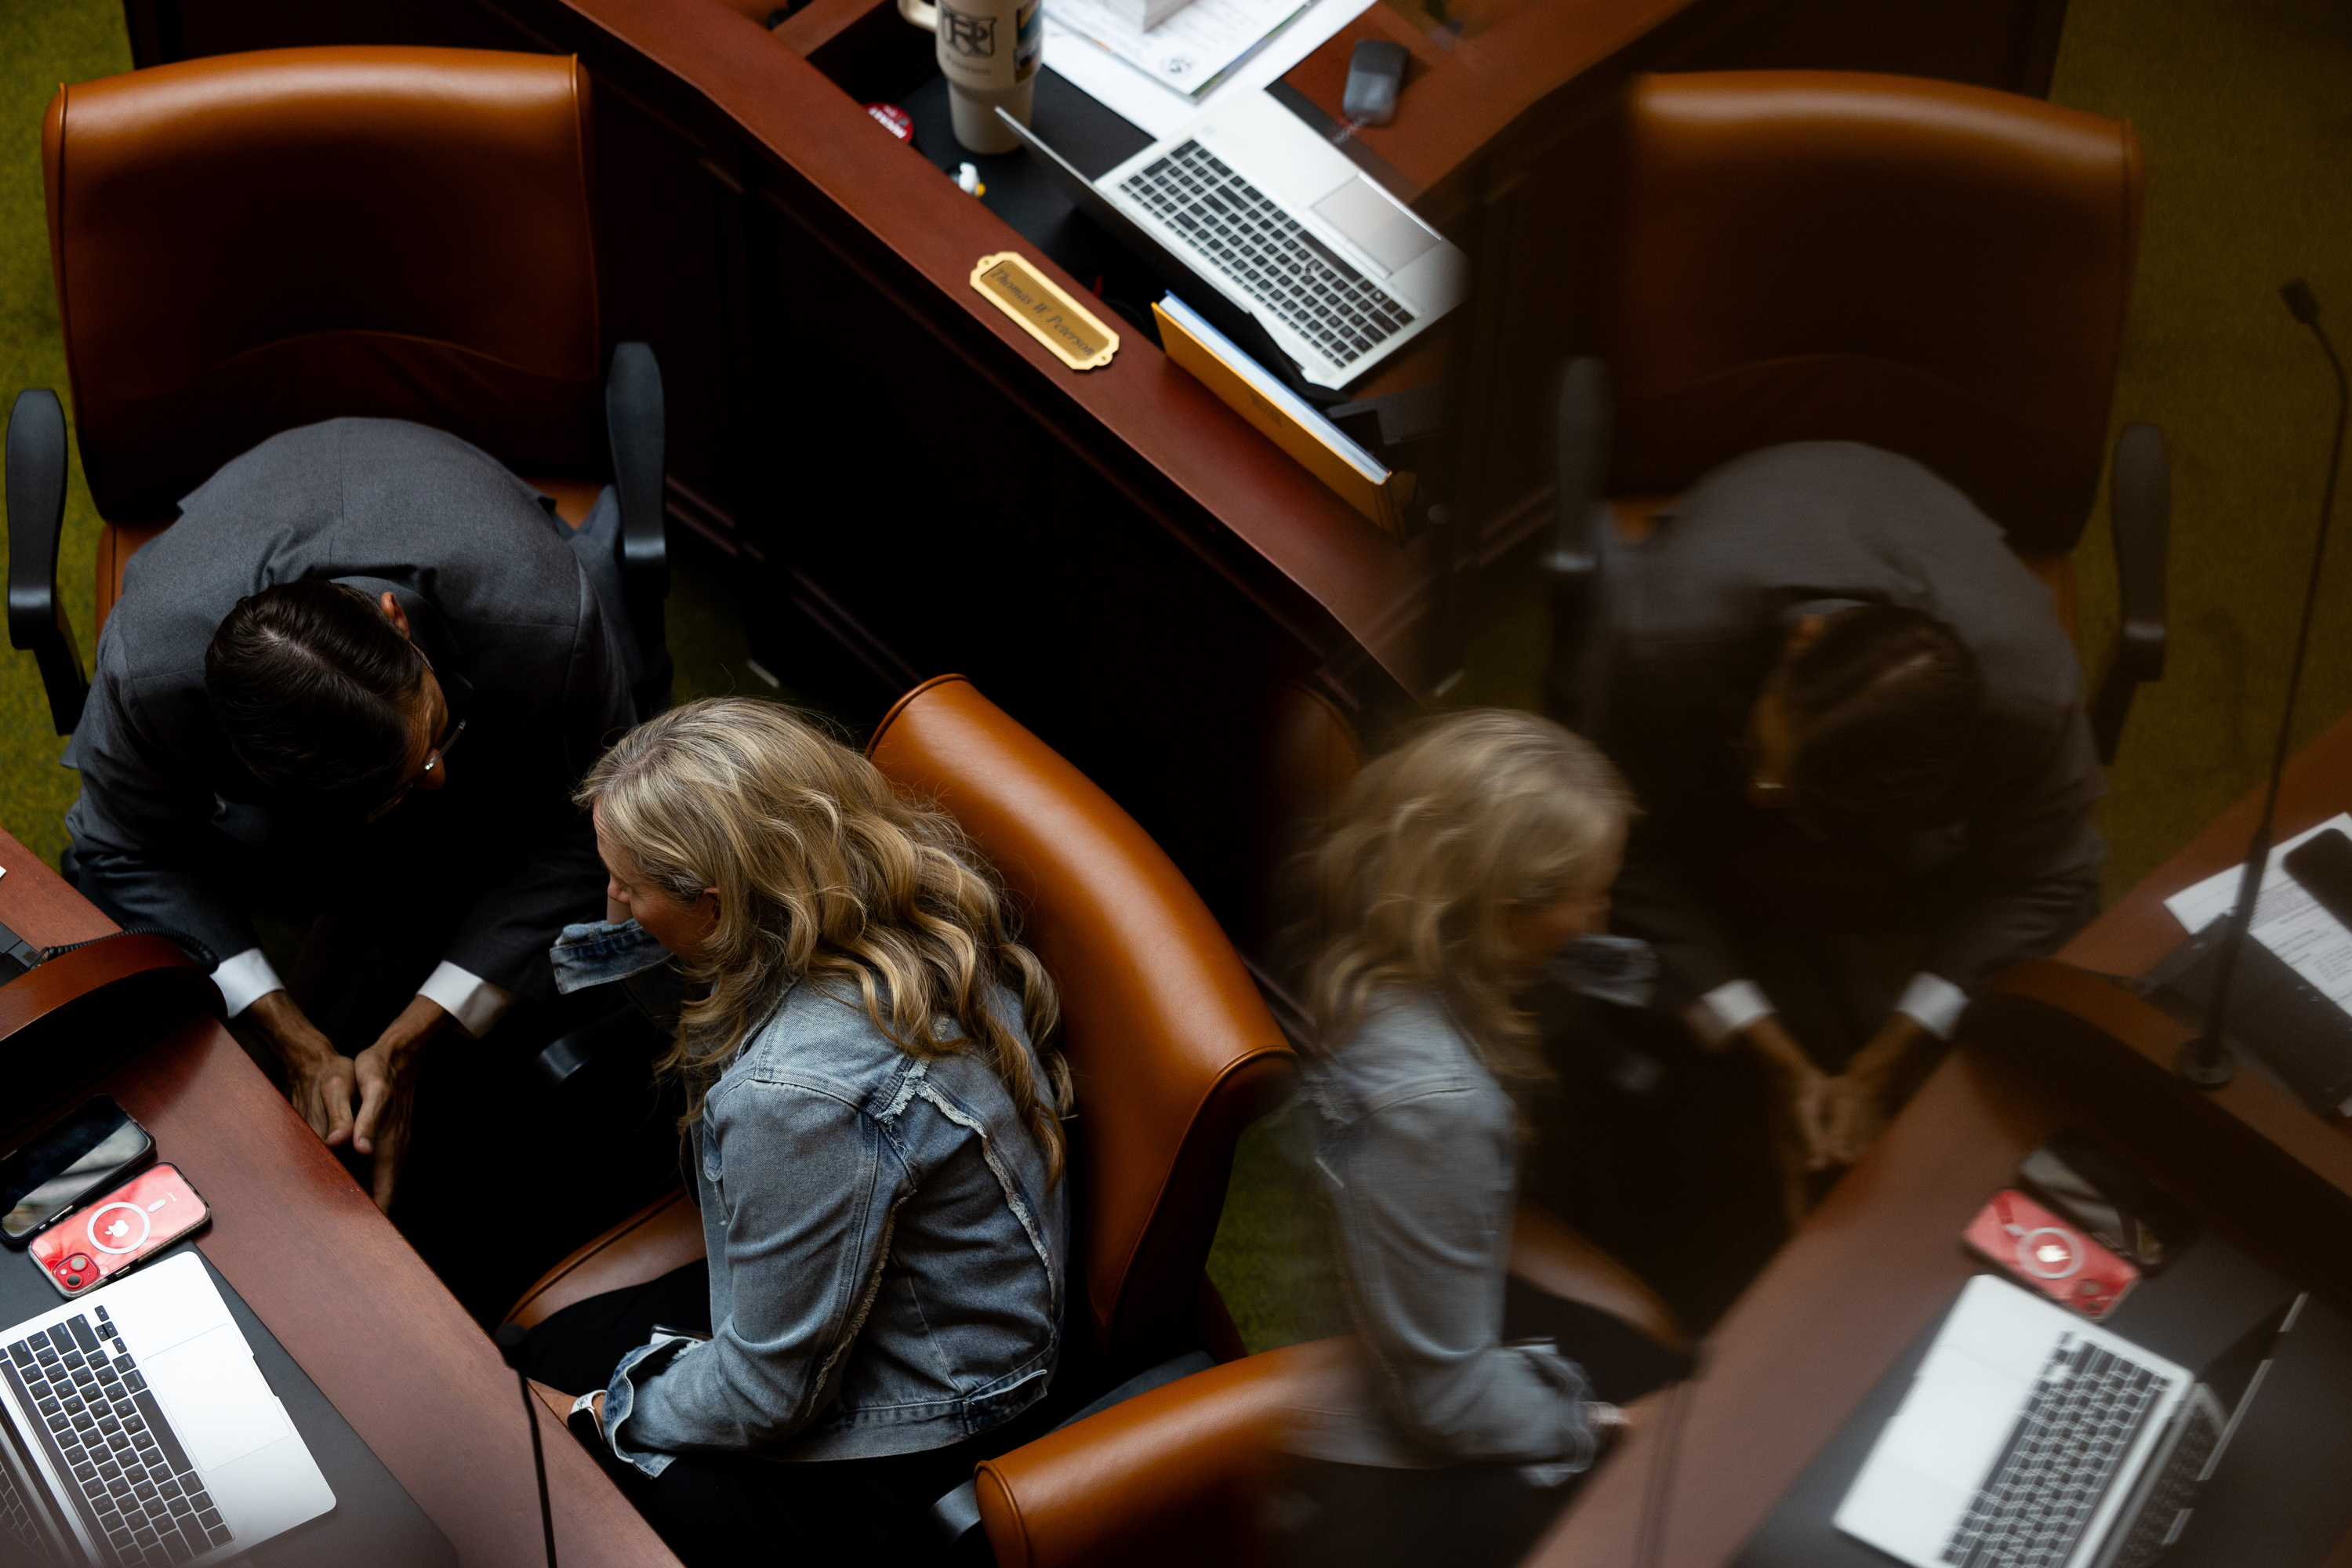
<point x="472" y="1001"/>
<point x="1934" y="1001"/>
<point x="244" y="980"/>
<point x="1725" y="1011"/>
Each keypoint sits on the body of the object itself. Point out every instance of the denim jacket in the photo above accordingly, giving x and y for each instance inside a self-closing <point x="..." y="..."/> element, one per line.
<point x="1418" y="1149"/>
<point x="887" y="1262"/>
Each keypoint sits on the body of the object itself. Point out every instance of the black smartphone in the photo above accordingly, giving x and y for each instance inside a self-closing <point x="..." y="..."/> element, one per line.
<point x="87" y="1151"/>
<point x="2123" y="1210"/>
<point x="2323" y="864"/>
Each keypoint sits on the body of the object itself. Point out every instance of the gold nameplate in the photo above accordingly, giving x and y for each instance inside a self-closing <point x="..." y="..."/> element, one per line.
<point x="1044" y="312"/>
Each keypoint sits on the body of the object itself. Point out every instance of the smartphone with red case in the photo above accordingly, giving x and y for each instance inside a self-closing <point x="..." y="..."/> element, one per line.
<point x="137" y="1220"/>
<point x="2039" y="1250"/>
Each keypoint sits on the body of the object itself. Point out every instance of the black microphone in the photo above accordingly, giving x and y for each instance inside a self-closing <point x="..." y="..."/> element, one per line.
<point x="512" y="1338"/>
<point x="2206" y="1060"/>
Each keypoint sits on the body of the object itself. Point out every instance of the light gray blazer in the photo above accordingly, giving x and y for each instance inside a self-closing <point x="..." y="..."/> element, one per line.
<point x="1696" y="617"/>
<point x="500" y="603"/>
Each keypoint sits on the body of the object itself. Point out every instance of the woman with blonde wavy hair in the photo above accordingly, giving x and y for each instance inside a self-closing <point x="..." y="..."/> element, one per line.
<point x="1454" y="869"/>
<point x="873" y="1120"/>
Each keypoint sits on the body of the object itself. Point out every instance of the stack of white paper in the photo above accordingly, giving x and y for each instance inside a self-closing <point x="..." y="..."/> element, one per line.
<point x="1192" y="51"/>
<point x="2287" y="920"/>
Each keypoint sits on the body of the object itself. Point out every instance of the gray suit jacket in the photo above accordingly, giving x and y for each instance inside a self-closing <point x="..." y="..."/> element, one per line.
<point x="1695" y="618"/>
<point x="171" y="828"/>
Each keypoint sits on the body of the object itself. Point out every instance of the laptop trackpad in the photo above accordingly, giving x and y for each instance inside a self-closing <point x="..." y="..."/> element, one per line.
<point x="219" y="1403"/>
<point x="1378" y="227"/>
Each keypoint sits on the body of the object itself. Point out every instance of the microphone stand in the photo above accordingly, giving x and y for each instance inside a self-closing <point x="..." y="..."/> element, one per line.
<point x="2206" y="1060"/>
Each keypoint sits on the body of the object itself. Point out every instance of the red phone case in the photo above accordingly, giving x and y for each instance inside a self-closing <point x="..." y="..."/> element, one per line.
<point x="144" y="1216"/>
<point x="2037" y="1248"/>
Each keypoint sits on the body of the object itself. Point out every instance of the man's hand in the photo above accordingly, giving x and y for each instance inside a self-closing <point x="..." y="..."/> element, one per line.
<point x="319" y="1078"/>
<point x="1804" y="1091"/>
<point x="386" y="1072"/>
<point x="1858" y="1097"/>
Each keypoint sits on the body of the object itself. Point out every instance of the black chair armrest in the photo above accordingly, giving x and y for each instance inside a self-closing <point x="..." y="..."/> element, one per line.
<point x="636" y="421"/>
<point x="2141" y="492"/>
<point x="1581" y="442"/>
<point x="36" y="513"/>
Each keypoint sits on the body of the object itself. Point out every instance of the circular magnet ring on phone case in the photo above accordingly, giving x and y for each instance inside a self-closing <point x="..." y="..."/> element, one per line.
<point x="2032" y="1262"/>
<point x="145" y="1228"/>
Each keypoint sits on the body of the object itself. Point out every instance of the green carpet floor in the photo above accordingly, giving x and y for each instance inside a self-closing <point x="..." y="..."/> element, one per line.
<point x="2241" y="108"/>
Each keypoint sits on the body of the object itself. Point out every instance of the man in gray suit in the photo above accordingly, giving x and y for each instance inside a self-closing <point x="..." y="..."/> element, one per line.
<point x="359" y="676"/>
<point x="1855" y="728"/>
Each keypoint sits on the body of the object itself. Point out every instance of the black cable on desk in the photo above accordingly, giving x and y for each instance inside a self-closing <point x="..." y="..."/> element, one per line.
<point x="511" y="1338"/>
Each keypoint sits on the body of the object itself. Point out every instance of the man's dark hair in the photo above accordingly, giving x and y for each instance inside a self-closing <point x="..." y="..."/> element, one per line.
<point x="1884" y="705"/>
<point x="313" y="687"/>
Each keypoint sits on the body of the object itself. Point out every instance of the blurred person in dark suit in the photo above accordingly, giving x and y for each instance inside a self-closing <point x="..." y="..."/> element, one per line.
<point x="1856" y="730"/>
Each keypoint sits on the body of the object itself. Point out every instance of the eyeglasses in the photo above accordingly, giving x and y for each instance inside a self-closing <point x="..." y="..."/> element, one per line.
<point x="443" y="746"/>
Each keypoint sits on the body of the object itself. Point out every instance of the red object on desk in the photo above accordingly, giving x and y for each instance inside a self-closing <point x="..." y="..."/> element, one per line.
<point x="2045" y="1254"/>
<point x="135" y="1221"/>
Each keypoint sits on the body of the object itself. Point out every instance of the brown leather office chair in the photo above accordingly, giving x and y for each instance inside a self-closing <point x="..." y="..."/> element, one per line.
<point x="248" y="243"/>
<point x="1173" y="1055"/>
<point x="1939" y="270"/>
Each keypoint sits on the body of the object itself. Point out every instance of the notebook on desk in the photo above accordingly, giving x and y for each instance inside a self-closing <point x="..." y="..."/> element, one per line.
<point x="1282" y="230"/>
<point x="2277" y="1496"/>
<point x="2031" y="1438"/>
<point x="252" y="1442"/>
<point x="135" y="1429"/>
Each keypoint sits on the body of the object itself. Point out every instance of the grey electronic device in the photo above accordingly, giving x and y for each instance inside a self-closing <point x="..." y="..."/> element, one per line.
<point x="1375" y="77"/>
<point x="2029" y="1436"/>
<point x="1262" y="211"/>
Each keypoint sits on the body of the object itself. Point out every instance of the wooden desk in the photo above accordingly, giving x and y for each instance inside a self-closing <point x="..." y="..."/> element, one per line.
<point x="414" y="1376"/>
<point x="914" y="485"/>
<point x="1878" y="1261"/>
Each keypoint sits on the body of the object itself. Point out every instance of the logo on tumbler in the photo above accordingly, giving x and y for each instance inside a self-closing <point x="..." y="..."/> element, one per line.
<point x="968" y="34"/>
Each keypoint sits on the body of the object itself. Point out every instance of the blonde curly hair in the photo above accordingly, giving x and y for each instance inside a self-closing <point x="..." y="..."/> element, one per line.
<point x="823" y="869"/>
<point x="1472" y="815"/>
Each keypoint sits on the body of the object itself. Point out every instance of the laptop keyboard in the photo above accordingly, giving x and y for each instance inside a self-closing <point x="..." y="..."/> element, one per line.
<point x="1267" y="253"/>
<point x="2086" y="1408"/>
<point x="2170" y="1495"/>
<point x="106" y="1433"/>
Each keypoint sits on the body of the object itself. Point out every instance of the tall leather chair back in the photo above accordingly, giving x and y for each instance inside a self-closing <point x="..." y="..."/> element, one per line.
<point x="1936" y="270"/>
<point x="253" y="242"/>
<point x="1171" y="1051"/>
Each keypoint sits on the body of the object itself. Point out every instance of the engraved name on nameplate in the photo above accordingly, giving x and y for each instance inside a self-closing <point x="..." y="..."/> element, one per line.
<point x="1076" y="337"/>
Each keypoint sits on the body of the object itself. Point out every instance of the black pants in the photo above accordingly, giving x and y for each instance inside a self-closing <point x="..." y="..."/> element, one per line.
<point x="1463" y="1516"/>
<point x="726" y="1510"/>
<point x="1657" y="1151"/>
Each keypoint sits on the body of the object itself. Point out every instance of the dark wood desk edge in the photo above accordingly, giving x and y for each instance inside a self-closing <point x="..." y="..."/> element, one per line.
<point x="1164" y="439"/>
<point x="362" y="1315"/>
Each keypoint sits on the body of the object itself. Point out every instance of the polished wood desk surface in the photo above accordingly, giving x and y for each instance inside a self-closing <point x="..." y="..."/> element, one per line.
<point x="417" y="1378"/>
<point x="1879" y="1261"/>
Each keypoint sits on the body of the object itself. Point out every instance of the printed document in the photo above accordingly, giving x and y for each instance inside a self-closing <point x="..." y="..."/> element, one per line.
<point x="2287" y="919"/>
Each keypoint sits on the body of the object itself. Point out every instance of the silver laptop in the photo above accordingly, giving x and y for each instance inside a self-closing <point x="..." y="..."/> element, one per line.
<point x="2031" y="1438"/>
<point x="135" y="1429"/>
<point x="1279" y="222"/>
